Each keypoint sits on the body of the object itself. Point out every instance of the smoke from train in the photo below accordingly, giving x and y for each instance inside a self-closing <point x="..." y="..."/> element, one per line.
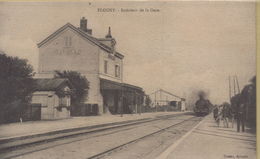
<point x="202" y="106"/>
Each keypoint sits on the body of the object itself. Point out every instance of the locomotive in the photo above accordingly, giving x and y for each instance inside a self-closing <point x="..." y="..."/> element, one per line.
<point x="202" y="107"/>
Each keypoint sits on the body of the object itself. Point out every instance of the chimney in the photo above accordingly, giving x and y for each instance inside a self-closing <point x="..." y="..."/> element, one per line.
<point x="83" y="24"/>
<point x="89" y="31"/>
<point x="109" y="33"/>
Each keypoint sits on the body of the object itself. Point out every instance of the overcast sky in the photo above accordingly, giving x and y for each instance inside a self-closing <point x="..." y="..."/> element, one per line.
<point x="186" y="46"/>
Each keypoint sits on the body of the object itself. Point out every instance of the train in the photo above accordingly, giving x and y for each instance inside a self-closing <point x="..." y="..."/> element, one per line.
<point x="202" y="107"/>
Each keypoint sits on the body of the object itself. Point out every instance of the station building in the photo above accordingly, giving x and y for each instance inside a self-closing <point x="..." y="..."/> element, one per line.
<point x="73" y="48"/>
<point x="164" y="100"/>
<point x="51" y="99"/>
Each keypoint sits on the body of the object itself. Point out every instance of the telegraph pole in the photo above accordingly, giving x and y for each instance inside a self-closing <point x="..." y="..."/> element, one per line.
<point x="229" y="84"/>
<point x="167" y="103"/>
<point x="237" y="84"/>
<point x="160" y="96"/>
<point x="234" y="80"/>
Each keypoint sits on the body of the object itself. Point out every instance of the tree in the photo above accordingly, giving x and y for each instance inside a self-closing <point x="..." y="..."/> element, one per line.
<point x="16" y="86"/>
<point x="148" y="100"/>
<point x="248" y="97"/>
<point x="80" y="84"/>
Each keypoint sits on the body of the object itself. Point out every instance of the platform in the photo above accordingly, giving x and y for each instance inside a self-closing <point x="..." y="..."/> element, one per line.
<point x="30" y="128"/>
<point x="208" y="141"/>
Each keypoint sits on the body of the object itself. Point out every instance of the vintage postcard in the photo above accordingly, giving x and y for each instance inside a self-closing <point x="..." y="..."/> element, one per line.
<point x="128" y="79"/>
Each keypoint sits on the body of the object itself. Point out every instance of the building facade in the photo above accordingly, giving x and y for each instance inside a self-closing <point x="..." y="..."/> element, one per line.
<point x="75" y="49"/>
<point x="165" y="100"/>
<point x="51" y="99"/>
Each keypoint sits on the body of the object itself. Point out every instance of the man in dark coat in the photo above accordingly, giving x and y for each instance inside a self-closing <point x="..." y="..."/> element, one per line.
<point x="241" y="115"/>
<point x="225" y="114"/>
<point x="241" y="111"/>
<point x="215" y="112"/>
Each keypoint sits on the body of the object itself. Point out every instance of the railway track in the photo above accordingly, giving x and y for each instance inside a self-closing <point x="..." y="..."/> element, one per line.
<point x="114" y="149"/>
<point x="15" y="145"/>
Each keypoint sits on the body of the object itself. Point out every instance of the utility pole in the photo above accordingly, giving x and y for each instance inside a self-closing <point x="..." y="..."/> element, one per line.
<point x="237" y="84"/>
<point x="229" y="84"/>
<point x="167" y="103"/>
<point x="160" y="95"/>
<point x="234" y="80"/>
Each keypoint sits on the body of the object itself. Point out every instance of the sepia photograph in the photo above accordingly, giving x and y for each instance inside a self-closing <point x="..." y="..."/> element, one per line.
<point x="128" y="79"/>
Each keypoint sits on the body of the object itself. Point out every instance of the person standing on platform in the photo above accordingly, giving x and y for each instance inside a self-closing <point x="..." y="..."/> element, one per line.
<point x="219" y="115"/>
<point x="241" y="112"/>
<point x="215" y="112"/>
<point x="231" y="116"/>
<point x="225" y="114"/>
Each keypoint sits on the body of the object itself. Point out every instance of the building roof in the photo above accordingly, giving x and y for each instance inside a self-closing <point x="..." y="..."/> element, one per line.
<point x="83" y="34"/>
<point x="112" y="85"/>
<point x="130" y="86"/>
<point x="51" y="84"/>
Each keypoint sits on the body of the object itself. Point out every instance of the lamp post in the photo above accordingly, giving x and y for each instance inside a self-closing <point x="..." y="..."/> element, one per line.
<point x="139" y="102"/>
<point x="135" y="103"/>
<point x="122" y="99"/>
<point x="155" y="102"/>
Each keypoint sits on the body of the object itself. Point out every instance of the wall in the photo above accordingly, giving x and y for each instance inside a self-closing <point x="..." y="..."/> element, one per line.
<point x="162" y="98"/>
<point x="78" y="54"/>
<point x="49" y="101"/>
<point x="64" y="113"/>
<point x="110" y="75"/>
<point x="94" y="96"/>
<point x="45" y="98"/>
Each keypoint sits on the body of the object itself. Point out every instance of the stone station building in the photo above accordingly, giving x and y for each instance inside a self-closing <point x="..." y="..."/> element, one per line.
<point x="75" y="49"/>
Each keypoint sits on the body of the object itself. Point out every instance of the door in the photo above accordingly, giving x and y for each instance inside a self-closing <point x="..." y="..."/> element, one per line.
<point x="36" y="112"/>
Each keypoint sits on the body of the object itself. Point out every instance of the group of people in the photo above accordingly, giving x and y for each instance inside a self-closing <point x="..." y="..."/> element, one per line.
<point x="228" y="115"/>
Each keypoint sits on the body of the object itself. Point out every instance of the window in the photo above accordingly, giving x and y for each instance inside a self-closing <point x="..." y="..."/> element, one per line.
<point x="68" y="101"/>
<point x="64" y="101"/>
<point x="117" y="71"/>
<point x="68" y="41"/>
<point x="105" y="66"/>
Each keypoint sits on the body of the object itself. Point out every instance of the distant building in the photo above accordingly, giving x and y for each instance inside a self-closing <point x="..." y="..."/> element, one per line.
<point x="75" y="49"/>
<point x="164" y="100"/>
<point x="51" y="99"/>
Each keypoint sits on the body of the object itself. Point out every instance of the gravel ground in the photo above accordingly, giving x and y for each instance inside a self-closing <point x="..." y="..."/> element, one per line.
<point x="152" y="146"/>
<point x="87" y="145"/>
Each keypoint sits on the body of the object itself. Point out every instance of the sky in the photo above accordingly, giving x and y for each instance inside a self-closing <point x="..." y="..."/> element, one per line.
<point x="183" y="48"/>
